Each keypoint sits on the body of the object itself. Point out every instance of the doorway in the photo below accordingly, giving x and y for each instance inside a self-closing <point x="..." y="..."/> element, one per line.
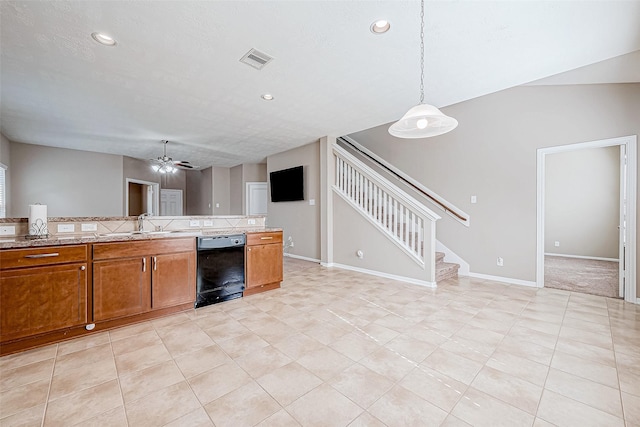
<point x="141" y="197"/>
<point x="256" y="201"/>
<point x="619" y="247"/>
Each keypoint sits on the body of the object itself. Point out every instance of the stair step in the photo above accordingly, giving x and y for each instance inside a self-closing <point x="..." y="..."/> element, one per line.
<point x="439" y="257"/>
<point x="446" y="270"/>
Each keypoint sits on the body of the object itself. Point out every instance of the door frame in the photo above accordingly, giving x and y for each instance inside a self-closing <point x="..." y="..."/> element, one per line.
<point x="628" y="179"/>
<point x="156" y="194"/>
<point x="247" y="199"/>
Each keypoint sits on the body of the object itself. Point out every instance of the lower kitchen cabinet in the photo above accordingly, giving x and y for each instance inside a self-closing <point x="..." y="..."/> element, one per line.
<point x="121" y="287"/>
<point x="263" y="262"/>
<point x="131" y="278"/>
<point x="173" y="279"/>
<point x="42" y="290"/>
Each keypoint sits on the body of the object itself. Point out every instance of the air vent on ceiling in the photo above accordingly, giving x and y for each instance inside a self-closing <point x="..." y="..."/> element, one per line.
<point x="256" y="59"/>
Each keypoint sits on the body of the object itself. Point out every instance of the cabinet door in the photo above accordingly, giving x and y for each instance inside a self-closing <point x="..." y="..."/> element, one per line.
<point x="121" y="288"/>
<point x="173" y="280"/>
<point x="264" y="265"/>
<point x="42" y="299"/>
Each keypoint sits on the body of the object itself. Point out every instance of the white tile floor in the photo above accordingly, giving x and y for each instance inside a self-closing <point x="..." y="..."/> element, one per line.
<point x="337" y="348"/>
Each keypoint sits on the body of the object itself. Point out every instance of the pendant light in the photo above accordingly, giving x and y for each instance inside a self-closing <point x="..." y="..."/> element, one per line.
<point x="423" y="120"/>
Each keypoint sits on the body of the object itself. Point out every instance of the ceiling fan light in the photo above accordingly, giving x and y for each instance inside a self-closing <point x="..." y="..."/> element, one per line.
<point x="155" y="168"/>
<point x="423" y="121"/>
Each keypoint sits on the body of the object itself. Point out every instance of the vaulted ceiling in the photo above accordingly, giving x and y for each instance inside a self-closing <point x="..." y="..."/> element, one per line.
<point x="175" y="72"/>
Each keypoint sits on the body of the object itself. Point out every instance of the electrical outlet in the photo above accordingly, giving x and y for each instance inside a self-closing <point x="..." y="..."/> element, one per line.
<point x="251" y="222"/>
<point x="208" y="223"/>
<point x="290" y="241"/>
<point x="217" y="205"/>
<point x="89" y="227"/>
<point x="500" y="262"/>
<point x="66" y="228"/>
<point x="556" y="244"/>
<point x="8" y="230"/>
<point x="194" y="223"/>
<point x="312" y="202"/>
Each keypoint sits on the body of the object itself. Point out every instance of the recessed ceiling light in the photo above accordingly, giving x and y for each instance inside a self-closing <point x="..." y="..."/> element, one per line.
<point x="267" y="97"/>
<point x="103" y="39"/>
<point x="381" y="26"/>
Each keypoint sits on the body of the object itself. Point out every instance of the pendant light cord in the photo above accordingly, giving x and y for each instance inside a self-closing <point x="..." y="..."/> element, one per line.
<point x="421" y="51"/>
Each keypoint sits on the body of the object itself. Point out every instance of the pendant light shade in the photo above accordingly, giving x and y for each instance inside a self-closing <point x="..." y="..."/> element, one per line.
<point x="422" y="121"/>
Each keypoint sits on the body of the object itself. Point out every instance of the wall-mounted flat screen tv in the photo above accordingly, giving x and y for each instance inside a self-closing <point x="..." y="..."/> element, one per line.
<point x="287" y="185"/>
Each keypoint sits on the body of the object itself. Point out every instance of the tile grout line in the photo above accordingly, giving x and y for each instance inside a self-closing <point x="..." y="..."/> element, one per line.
<point x="46" y="402"/>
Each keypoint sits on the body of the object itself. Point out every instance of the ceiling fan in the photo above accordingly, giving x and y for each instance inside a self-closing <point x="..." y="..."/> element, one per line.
<point x="166" y="164"/>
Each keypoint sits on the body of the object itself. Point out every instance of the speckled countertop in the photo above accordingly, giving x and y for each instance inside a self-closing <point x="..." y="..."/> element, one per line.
<point x="22" y="242"/>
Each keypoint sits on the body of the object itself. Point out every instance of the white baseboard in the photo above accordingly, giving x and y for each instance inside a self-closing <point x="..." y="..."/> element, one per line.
<point x="385" y="275"/>
<point x="304" y="258"/>
<point x="637" y="300"/>
<point x="595" y="258"/>
<point x="504" y="280"/>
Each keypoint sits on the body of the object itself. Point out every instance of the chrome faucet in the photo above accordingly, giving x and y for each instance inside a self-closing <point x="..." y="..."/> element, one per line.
<point x="141" y="221"/>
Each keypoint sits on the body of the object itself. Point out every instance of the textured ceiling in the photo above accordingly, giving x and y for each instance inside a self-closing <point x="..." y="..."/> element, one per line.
<point x="175" y="73"/>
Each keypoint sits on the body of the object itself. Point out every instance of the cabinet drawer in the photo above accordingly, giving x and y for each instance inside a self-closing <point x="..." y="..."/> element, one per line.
<point x="264" y="238"/>
<point x="114" y="250"/>
<point x="15" y="258"/>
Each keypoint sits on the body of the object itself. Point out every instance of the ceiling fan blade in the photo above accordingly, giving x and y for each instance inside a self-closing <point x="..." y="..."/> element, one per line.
<point x="184" y="165"/>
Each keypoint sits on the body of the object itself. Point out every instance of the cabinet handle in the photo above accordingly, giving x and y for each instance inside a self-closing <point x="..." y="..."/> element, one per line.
<point x="155" y="263"/>
<point x="249" y="249"/>
<point x="42" y="255"/>
<point x="144" y="264"/>
<point x="83" y="268"/>
<point x="266" y="238"/>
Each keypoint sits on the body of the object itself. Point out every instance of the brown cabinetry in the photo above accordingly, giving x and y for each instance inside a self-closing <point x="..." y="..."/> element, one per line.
<point x="131" y="278"/>
<point x="42" y="290"/>
<point x="263" y="260"/>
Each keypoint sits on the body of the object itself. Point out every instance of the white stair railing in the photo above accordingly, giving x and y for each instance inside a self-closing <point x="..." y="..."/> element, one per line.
<point x="403" y="219"/>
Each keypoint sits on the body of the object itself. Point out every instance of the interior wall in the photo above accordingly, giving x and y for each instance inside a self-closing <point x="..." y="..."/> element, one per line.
<point x="492" y="155"/>
<point x="377" y="249"/>
<point x="199" y="192"/>
<point x="582" y="202"/>
<point x="221" y="191"/>
<point x="299" y="220"/>
<point x="69" y="182"/>
<point x="235" y="190"/>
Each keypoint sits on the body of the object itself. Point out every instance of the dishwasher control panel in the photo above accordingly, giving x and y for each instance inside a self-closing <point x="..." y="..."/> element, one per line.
<point x="213" y="242"/>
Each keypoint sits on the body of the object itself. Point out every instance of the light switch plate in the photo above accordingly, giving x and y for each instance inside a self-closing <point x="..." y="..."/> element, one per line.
<point x="312" y="202"/>
<point x="208" y="223"/>
<point x="66" y="228"/>
<point x="474" y="199"/>
<point x="194" y="223"/>
<point x="251" y="222"/>
<point x="8" y="230"/>
<point x="89" y="227"/>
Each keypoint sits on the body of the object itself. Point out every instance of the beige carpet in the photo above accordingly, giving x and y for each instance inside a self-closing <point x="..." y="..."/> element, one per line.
<point x="582" y="275"/>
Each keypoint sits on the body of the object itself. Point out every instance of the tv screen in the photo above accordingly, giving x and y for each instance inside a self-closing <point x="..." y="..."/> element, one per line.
<point x="287" y="185"/>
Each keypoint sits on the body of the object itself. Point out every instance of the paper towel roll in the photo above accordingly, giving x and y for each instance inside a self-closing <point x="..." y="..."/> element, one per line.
<point x="38" y="220"/>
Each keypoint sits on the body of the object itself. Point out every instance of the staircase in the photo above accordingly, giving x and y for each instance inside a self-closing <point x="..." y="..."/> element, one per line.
<point x="445" y="270"/>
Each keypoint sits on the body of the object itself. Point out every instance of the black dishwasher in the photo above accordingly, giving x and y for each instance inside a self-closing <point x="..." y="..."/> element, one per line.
<point x="220" y="269"/>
